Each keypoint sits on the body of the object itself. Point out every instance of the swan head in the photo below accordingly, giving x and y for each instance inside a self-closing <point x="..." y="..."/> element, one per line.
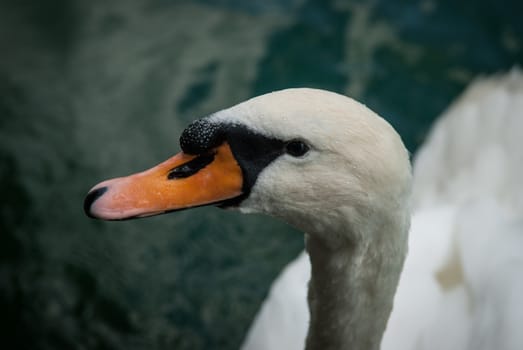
<point x="307" y="156"/>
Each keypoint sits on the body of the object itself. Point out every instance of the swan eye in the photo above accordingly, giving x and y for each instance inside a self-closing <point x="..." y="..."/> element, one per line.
<point x="296" y="148"/>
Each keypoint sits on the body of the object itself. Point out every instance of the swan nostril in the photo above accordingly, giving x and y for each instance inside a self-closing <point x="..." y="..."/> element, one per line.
<point x="191" y="167"/>
<point x="91" y="198"/>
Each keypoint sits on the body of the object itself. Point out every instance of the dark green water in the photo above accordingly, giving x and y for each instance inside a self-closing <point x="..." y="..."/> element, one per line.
<point x="96" y="89"/>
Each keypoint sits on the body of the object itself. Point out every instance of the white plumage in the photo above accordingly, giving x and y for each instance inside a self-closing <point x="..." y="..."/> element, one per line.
<point x="462" y="283"/>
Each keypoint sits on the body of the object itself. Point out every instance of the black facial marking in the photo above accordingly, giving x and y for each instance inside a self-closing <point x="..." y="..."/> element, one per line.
<point x="191" y="167"/>
<point x="253" y="151"/>
<point x="201" y="136"/>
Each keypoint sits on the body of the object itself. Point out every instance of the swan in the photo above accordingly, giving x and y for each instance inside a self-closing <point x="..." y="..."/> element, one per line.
<point x="321" y="161"/>
<point x="340" y="173"/>
<point x="463" y="277"/>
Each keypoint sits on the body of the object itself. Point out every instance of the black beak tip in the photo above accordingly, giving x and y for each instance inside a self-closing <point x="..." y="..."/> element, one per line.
<point x="91" y="198"/>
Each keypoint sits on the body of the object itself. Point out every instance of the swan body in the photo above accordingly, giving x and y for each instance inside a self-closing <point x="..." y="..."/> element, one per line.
<point x="462" y="280"/>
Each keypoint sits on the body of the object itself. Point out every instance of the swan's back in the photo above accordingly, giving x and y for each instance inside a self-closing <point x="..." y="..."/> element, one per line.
<point x="476" y="147"/>
<point x="459" y="285"/>
<point x="462" y="282"/>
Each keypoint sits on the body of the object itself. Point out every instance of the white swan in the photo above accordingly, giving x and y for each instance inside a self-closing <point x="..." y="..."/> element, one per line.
<point x="324" y="163"/>
<point x="462" y="283"/>
<point x="319" y="160"/>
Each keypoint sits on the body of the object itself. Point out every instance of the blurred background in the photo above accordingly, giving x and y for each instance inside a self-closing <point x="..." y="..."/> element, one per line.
<point x="95" y="89"/>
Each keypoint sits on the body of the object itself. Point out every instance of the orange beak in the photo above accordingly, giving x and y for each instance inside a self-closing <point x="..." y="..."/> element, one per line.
<point x="180" y="182"/>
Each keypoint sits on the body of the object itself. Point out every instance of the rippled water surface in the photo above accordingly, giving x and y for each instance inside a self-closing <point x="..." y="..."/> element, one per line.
<point x="96" y="89"/>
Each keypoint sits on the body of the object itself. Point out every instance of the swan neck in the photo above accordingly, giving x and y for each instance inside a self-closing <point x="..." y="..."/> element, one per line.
<point x="351" y="290"/>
